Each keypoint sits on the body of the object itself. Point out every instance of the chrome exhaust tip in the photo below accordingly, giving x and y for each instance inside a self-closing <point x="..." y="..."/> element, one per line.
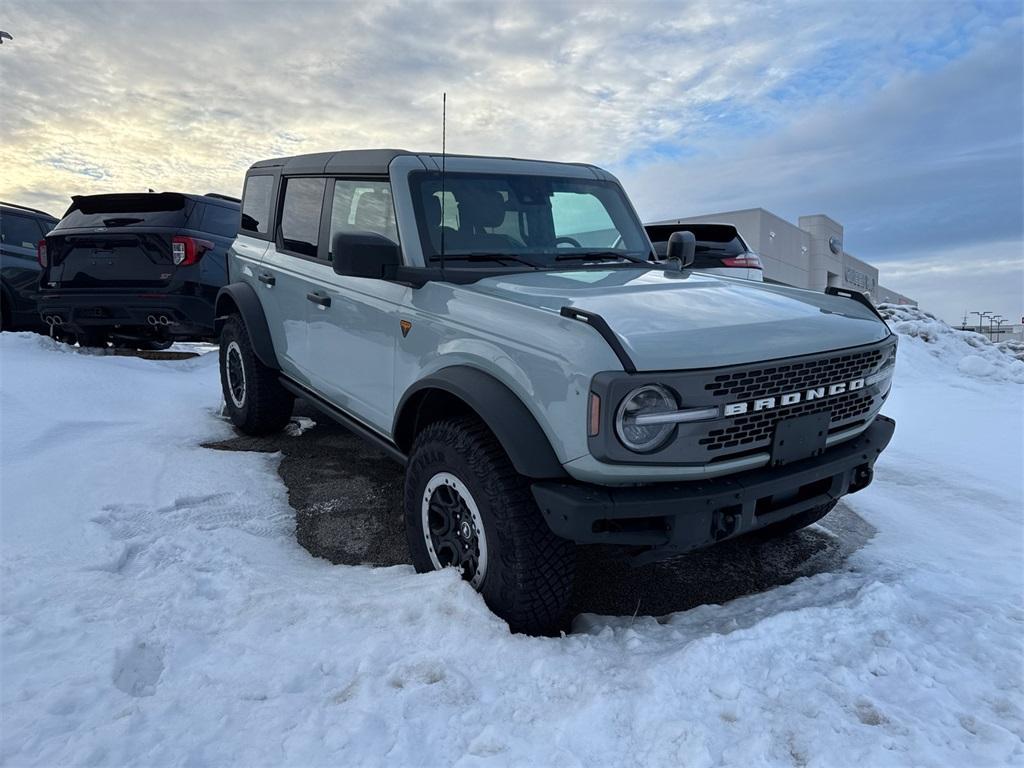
<point x="151" y="319"/>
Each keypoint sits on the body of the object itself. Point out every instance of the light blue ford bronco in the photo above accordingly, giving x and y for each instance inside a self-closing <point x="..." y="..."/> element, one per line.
<point x="501" y="327"/>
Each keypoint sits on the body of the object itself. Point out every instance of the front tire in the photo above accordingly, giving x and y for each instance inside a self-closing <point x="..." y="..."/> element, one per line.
<point x="254" y="398"/>
<point x="467" y="507"/>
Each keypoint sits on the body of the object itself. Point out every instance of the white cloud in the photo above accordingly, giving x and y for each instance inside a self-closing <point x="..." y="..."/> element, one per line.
<point x="902" y="120"/>
<point x="185" y="96"/>
<point x="952" y="282"/>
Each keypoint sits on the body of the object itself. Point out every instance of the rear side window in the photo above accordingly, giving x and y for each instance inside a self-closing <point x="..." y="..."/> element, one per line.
<point x="256" y="204"/>
<point x="364" y="206"/>
<point x="220" y="221"/>
<point x="21" y="231"/>
<point x="300" y="215"/>
<point x="163" y="209"/>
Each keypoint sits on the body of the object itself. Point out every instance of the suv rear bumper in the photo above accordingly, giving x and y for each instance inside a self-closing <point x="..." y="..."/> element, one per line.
<point x="157" y="314"/>
<point x="670" y="518"/>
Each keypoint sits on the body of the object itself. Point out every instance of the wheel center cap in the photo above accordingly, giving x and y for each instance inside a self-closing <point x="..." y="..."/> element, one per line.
<point x="465" y="530"/>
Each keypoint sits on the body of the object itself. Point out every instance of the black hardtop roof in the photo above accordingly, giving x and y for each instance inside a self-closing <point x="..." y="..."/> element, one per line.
<point x="26" y="209"/>
<point x="370" y="162"/>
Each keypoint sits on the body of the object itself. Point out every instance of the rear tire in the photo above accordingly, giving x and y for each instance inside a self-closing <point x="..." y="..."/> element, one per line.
<point x="458" y="469"/>
<point x="793" y="524"/>
<point x="255" y="400"/>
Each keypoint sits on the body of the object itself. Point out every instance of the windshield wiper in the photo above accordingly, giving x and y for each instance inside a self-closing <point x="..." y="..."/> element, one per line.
<point x="488" y="256"/>
<point x="598" y="255"/>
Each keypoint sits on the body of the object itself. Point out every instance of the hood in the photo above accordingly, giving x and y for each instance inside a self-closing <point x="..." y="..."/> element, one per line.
<point x="682" y="320"/>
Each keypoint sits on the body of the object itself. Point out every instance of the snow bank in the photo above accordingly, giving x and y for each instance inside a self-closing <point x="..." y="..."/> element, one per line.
<point x="156" y="610"/>
<point x="972" y="354"/>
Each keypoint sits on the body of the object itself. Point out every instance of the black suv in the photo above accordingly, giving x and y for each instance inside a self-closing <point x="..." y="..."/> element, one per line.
<point x="140" y="269"/>
<point x="21" y="230"/>
<point x="721" y="249"/>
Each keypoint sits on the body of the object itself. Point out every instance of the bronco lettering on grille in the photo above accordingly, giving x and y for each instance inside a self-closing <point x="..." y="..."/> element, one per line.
<point x="792" y="398"/>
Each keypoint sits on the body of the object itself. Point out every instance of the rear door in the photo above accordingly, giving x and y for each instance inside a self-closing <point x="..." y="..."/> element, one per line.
<point x="117" y="242"/>
<point x="283" y="274"/>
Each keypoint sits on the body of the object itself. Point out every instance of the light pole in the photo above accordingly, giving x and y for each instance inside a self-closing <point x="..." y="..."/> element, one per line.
<point x="981" y="319"/>
<point x="998" y="320"/>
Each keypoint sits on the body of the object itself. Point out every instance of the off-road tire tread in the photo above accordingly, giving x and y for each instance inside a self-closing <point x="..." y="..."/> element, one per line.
<point x="530" y="587"/>
<point x="268" y="404"/>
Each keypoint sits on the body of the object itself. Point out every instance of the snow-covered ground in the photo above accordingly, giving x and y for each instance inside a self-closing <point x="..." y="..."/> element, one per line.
<point x="157" y="611"/>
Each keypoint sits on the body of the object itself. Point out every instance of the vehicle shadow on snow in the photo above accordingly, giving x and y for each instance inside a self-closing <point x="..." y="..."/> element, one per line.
<point x="347" y="498"/>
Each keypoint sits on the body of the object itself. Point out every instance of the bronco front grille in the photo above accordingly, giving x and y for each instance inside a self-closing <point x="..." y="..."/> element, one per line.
<point x="754" y="430"/>
<point x="777" y="379"/>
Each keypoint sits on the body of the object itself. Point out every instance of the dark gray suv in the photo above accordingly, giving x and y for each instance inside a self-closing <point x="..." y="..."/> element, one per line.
<point x="21" y="230"/>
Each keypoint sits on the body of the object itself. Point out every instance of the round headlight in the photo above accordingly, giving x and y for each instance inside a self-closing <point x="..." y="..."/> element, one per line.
<point x="651" y="398"/>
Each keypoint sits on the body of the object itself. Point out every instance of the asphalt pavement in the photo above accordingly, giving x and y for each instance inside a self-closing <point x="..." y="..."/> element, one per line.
<point x="347" y="498"/>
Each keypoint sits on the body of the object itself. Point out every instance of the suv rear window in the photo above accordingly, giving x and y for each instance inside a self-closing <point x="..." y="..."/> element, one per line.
<point x="164" y="209"/>
<point x="718" y="240"/>
<point x="22" y="231"/>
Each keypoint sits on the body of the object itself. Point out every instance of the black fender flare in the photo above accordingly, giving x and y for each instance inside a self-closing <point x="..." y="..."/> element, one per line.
<point x="497" y="406"/>
<point x="242" y="297"/>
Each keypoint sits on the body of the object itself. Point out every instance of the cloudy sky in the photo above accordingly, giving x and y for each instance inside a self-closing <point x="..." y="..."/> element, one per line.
<point x="902" y="120"/>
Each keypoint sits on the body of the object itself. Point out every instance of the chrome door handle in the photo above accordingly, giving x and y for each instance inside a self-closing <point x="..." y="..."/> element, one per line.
<point x="318" y="298"/>
<point x="268" y="280"/>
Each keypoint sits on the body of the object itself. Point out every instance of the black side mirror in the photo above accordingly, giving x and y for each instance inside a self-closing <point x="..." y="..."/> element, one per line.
<point x="365" y="254"/>
<point x="683" y="247"/>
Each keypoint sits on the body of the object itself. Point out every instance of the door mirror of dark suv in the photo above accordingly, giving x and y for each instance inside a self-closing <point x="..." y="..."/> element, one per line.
<point x="682" y="246"/>
<point x="365" y="254"/>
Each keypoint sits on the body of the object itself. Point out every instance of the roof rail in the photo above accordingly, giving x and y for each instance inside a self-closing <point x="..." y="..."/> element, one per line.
<point x="219" y="196"/>
<point x="26" y="208"/>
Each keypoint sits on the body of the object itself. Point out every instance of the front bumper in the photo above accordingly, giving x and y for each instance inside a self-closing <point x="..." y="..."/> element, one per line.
<point x="670" y="518"/>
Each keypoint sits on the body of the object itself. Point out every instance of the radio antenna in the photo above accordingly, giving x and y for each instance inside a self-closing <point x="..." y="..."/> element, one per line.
<point x="444" y="132"/>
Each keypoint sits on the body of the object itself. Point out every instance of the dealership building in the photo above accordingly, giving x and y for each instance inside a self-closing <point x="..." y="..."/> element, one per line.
<point x="808" y="254"/>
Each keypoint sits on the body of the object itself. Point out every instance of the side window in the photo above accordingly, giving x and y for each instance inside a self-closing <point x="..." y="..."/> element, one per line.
<point x="256" y="204"/>
<point x="219" y="220"/>
<point x="300" y="215"/>
<point x="19" y="230"/>
<point x="364" y="206"/>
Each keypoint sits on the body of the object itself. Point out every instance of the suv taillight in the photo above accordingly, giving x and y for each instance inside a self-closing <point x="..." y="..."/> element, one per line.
<point x="41" y="253"/>
<point x="188" y="250"/>
<point x="749" y="260"/>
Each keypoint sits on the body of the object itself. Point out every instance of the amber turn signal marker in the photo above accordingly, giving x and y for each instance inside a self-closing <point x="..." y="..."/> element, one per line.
<point x="405" y="326"/>
<point x="594" y="422"/>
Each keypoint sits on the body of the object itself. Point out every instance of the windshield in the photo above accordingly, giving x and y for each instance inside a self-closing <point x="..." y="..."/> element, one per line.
<point x="537" y="220"/>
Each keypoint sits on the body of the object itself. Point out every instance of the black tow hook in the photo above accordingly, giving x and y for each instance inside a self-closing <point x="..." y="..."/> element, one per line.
<point x="862" y="477"/>
<point x="724" y="523"/>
